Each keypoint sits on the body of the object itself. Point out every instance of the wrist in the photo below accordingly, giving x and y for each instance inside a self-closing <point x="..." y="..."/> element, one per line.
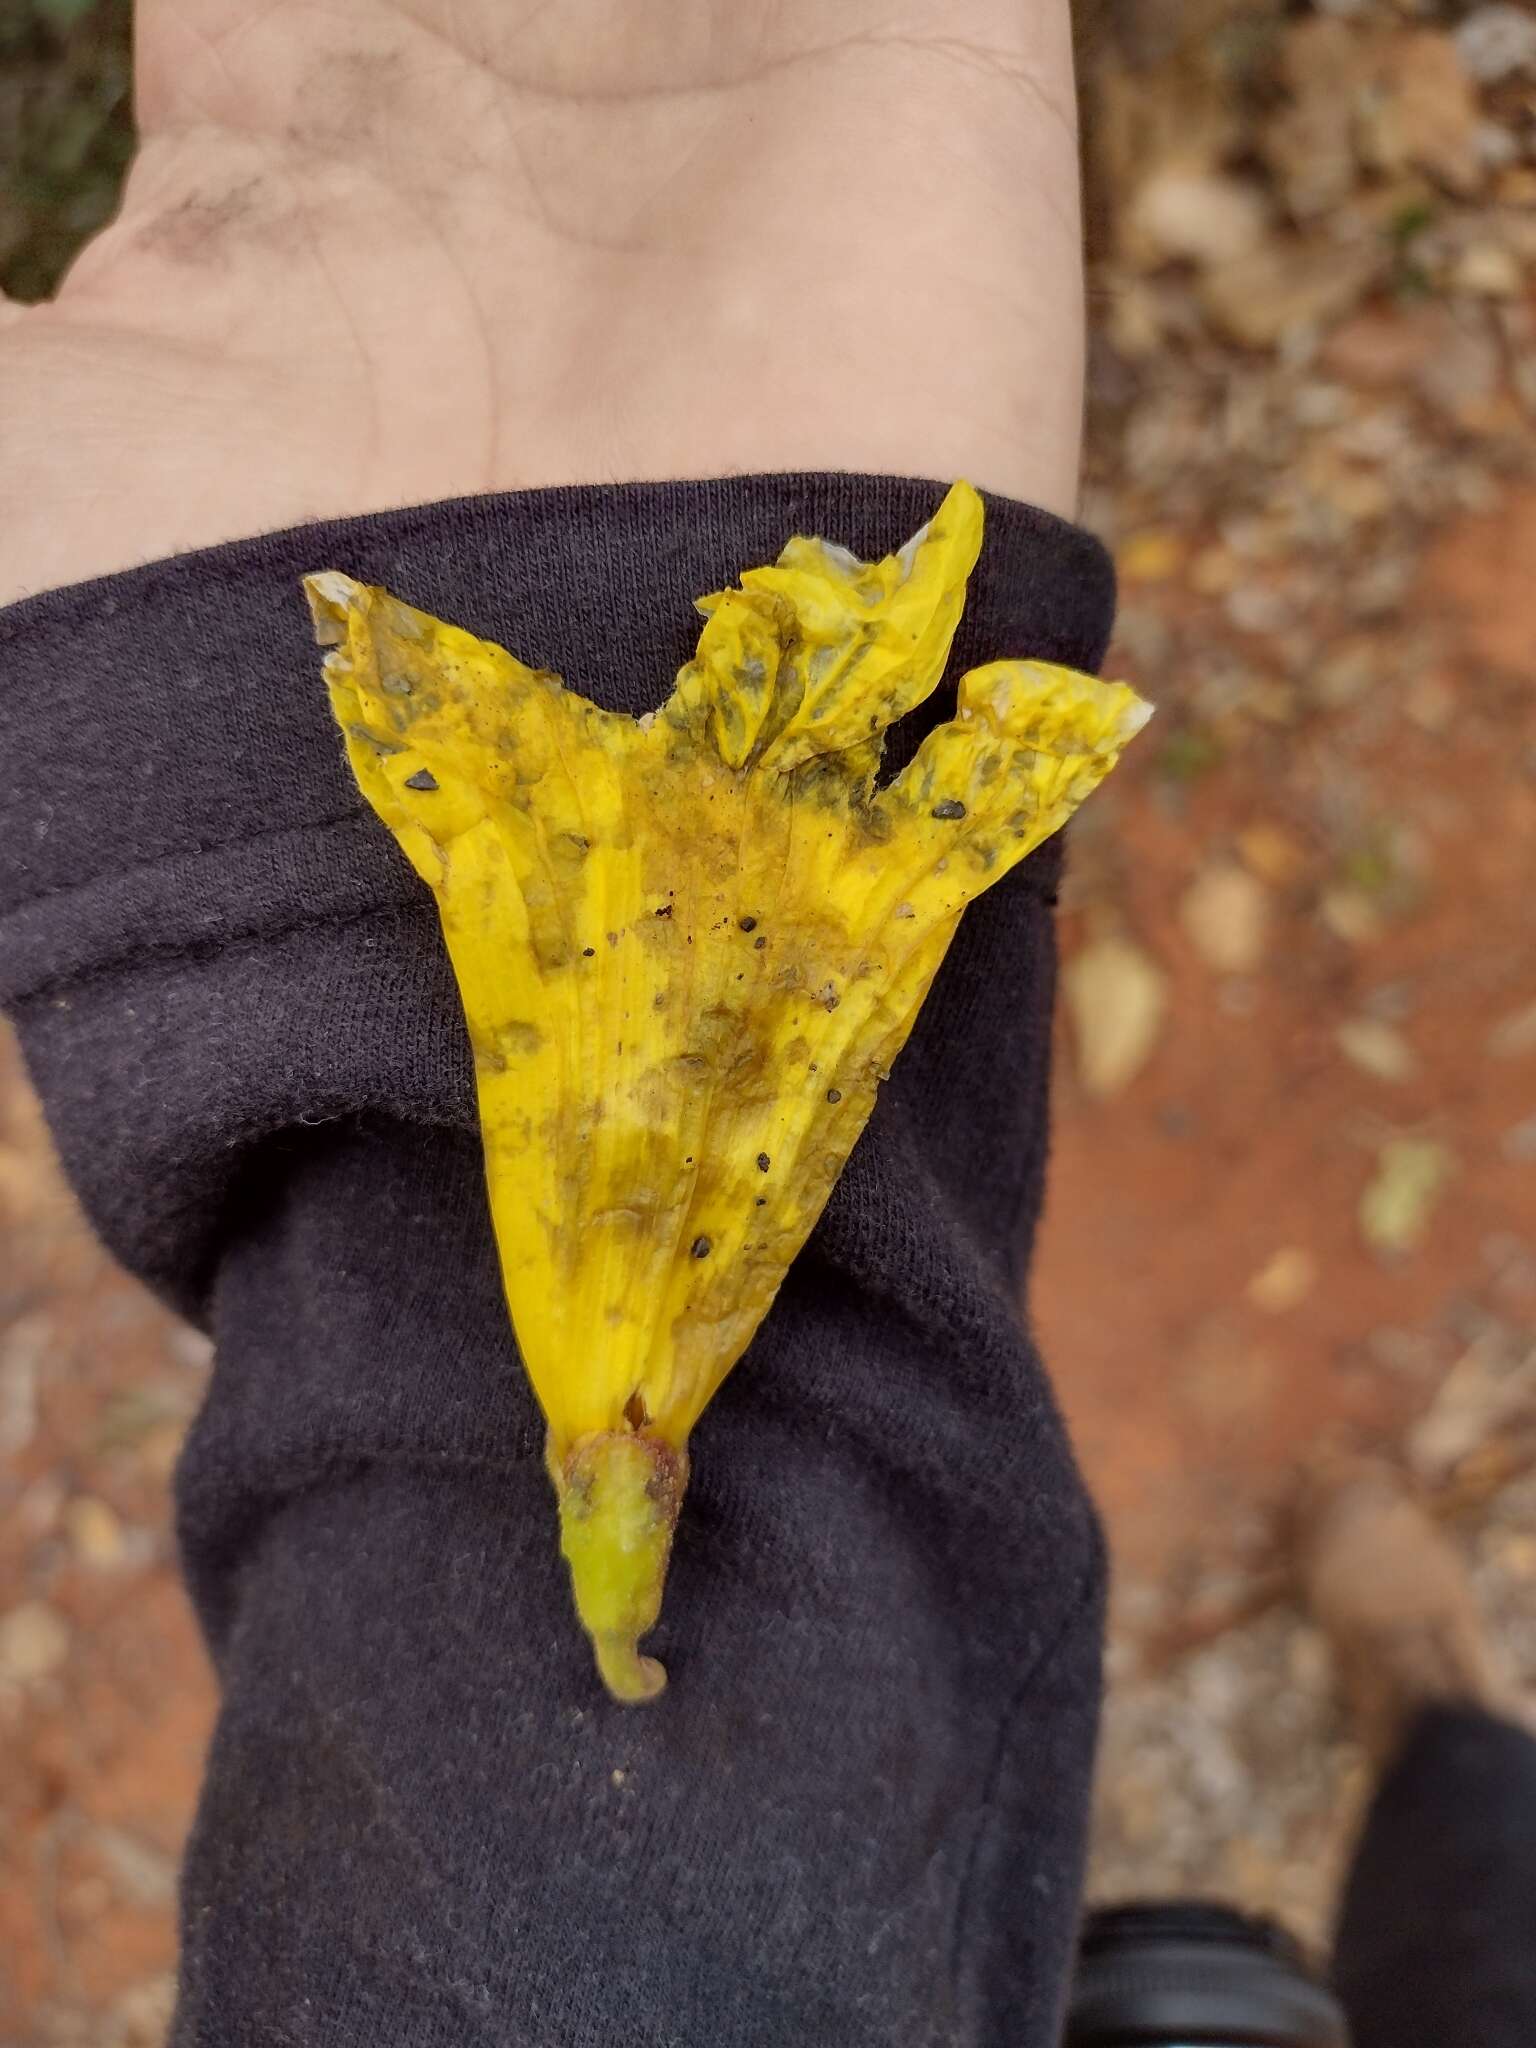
<point x="409" y="255"/>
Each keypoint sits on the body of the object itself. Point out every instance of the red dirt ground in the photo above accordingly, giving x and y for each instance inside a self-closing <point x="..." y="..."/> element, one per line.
<point x="1249" y="1132"/>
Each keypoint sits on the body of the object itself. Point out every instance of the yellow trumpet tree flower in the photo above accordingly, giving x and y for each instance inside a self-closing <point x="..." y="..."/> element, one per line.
<point x="689" y="946"/>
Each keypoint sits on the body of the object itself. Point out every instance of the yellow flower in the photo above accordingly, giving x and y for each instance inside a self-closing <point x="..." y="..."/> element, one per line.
<point x="689" y="947"/>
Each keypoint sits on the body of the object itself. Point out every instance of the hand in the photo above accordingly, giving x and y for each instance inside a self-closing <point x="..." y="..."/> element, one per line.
<point x="391" y="251"/>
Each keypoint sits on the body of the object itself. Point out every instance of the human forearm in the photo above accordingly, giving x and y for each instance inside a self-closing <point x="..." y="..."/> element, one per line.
<point x="859" y="1810"/>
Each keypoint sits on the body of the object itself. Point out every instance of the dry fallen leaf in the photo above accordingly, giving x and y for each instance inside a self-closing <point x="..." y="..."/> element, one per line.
<point x="1496" y="41"/>
<point x="1287" y="286"/>
<point x="1474" y="1401"/>
<point x="1398" y="1201"/>
<point x="1184" y="214"/>
<point x="95" y="1532"/>
<point x="1116" y="996"/>
<point x="1225" y="911"/>
<point x="1350" y="915"/>
<point x="1423" y="114"/>
<point x="34" y="1642"/>
<point x="1151" y="556"/>
<point x="1272" y="853"/>
<point x="1309" y="143"/>
<point x="1215" y="570"/>
<point x="1376" y="1048"/>
<point x="1488" y="270"/>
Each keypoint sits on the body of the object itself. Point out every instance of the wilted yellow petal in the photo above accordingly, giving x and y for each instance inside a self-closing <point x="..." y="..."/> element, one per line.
<point x="689" y="947"/>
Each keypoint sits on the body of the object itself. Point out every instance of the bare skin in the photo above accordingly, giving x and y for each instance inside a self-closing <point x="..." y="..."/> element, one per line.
<point x="378" y="254"/>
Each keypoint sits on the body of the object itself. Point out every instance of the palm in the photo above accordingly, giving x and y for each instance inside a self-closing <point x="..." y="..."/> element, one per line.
<point x="385" y="254"/>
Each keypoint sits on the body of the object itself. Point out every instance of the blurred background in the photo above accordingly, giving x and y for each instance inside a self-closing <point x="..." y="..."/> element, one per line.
<point x="1296" y="1101"/>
